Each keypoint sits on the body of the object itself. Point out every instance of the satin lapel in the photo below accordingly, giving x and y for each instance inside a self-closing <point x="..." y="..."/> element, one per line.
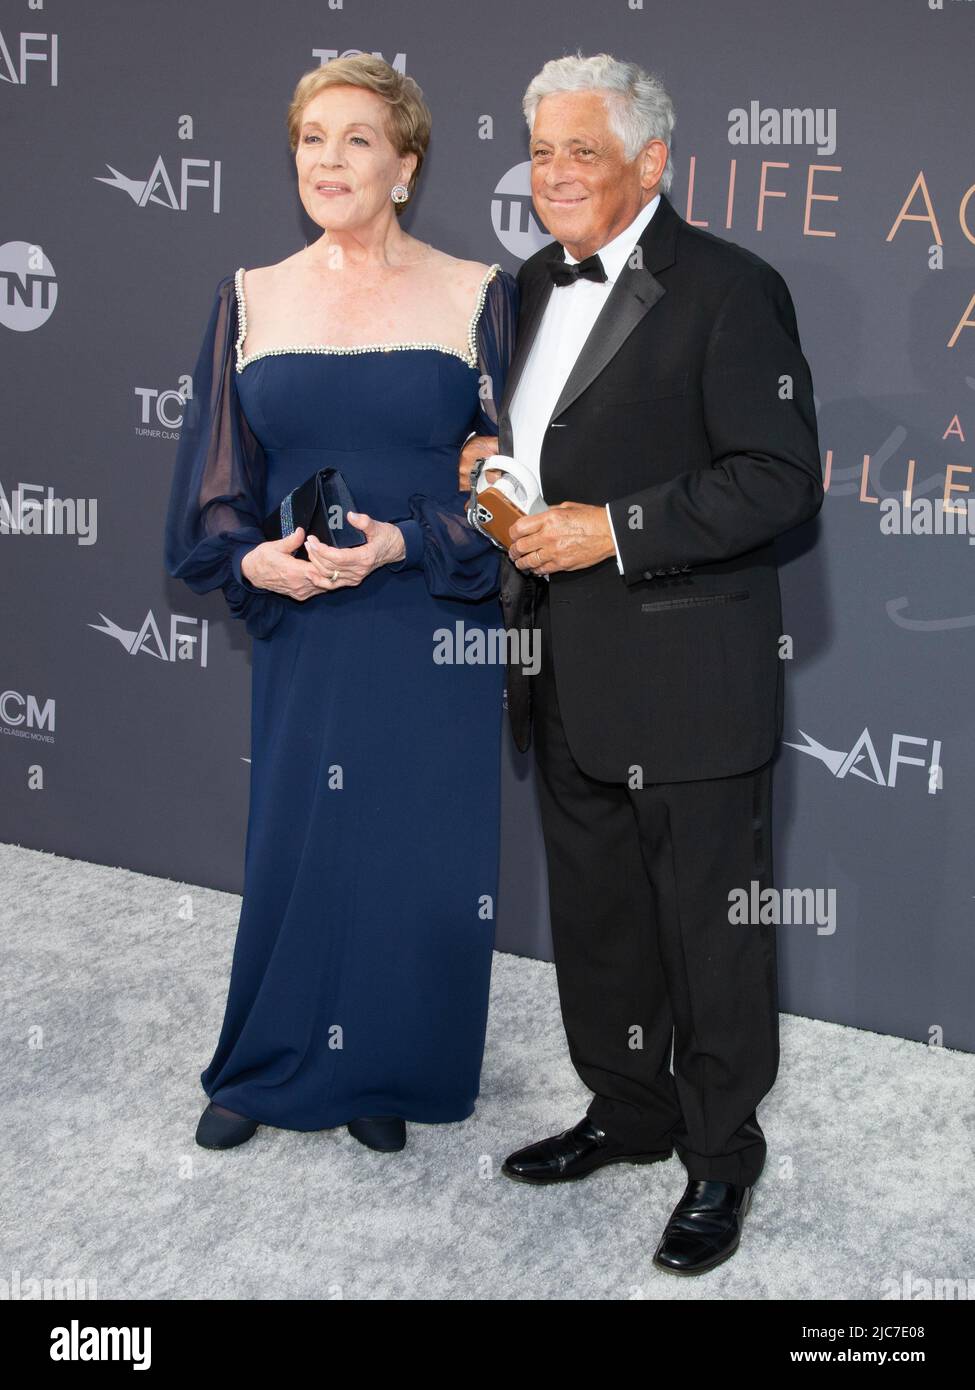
<point x="634" y="295"/>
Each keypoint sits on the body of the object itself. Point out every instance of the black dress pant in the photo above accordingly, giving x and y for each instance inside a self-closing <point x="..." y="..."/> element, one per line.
<point x="647" y="962"/>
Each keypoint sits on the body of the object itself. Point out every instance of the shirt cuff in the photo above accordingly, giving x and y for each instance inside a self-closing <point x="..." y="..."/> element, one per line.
<point x="612" y="532"/>
<point x="413" y="540"/>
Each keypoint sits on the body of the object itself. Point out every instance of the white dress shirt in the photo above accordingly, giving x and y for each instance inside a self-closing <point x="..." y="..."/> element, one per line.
<point x="566" y="323"/>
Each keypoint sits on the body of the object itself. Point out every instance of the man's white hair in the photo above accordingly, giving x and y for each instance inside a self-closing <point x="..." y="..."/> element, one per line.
<point x="639" y="106"/>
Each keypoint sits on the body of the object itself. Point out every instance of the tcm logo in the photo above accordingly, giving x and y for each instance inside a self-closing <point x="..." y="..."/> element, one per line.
<point x="326" y="55"/>
<point x="160" y="188"/>
<point x="513" y="214"/>
<point x="19" y="711"/>
<point x="28" y="288"/>
<point x="862" y="760"/>
<point x="160" y="412"/>
<point x="185" y="642"/>
<point x="29" y="48"/>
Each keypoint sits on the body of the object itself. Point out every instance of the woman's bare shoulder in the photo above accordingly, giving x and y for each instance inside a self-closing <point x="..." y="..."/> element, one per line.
<point x="258" y="274"/>
<point x="465" y="277"/>
<point x="261" y="282"/>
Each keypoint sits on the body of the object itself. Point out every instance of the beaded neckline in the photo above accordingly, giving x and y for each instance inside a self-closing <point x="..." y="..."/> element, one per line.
<point x="470" y="356"/>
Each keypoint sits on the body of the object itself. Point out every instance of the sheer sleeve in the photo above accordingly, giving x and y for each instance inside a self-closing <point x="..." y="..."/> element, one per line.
<point x="457" y="560"/>
<point x="216" y="502"/>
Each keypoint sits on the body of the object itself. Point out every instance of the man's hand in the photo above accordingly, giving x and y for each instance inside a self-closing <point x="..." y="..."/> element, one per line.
<point x="477" y="447"/>
<point x="571" y="536"/>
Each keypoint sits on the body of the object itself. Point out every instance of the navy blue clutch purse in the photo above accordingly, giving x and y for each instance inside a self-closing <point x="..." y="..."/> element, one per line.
<point x="320" y="505"/>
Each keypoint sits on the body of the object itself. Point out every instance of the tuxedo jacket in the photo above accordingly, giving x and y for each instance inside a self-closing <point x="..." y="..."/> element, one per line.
<point x="690" y="411"/>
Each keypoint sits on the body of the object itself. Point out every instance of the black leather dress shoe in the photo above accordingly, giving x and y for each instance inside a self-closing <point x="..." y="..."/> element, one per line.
<point x="387" y="1133"/>
<point x="216" y="1131"/>
<point x="704" y="1227"/>
<point x="572" y="1154"/>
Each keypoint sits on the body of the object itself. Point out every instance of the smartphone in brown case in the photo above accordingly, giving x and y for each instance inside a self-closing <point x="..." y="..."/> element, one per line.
<point x="495" y="514"/>
<point x="491" y="509"/>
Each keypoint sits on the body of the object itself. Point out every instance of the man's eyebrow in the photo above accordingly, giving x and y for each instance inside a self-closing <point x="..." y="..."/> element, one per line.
<point x="572" y="140"/>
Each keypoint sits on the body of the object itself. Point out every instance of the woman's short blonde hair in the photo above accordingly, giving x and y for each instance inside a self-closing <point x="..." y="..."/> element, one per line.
<point x="408" y="118"/>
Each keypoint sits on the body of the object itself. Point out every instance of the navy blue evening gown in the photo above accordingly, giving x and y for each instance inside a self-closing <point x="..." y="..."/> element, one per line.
<point x="362" y="963"/>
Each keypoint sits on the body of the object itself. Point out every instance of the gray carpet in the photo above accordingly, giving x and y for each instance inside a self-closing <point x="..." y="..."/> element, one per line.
<point x="112" y="1004"/>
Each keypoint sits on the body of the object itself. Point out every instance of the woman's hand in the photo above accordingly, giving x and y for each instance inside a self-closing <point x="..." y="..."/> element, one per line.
<point x="272" y="565"/>
<point x="343" y="567"/>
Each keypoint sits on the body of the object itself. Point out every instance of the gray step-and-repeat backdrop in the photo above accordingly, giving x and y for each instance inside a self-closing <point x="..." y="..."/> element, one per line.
<point x="144" y="155"/>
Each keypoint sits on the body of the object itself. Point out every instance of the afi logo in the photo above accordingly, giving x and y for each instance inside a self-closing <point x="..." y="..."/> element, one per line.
<point x="33" y="48"/>
<point x="513" y="214"/>
<point x="843" y="764"/>
<point x="159" y="187"/>
<point x="183" y="645"/>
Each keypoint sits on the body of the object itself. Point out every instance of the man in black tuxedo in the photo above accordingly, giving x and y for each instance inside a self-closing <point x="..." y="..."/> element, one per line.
<point x="659" y="387"/>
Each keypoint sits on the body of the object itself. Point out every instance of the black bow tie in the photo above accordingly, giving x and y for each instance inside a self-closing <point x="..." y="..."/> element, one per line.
<point x="564" y="273"/>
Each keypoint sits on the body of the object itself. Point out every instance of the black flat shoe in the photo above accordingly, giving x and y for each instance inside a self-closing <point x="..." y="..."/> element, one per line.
<point x="704" y="1227"/>
<point x="387" y="1133"/>
<point x="216" y="1131"/>
<point x="572" y="1154"/>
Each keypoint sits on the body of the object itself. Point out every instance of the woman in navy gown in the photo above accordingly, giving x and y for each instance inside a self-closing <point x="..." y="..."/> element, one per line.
<point x="359" y="987"/>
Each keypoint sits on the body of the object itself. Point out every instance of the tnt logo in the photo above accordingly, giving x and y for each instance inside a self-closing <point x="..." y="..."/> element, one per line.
<point x="28" y="289"/>
<point x="513" y="215"/>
